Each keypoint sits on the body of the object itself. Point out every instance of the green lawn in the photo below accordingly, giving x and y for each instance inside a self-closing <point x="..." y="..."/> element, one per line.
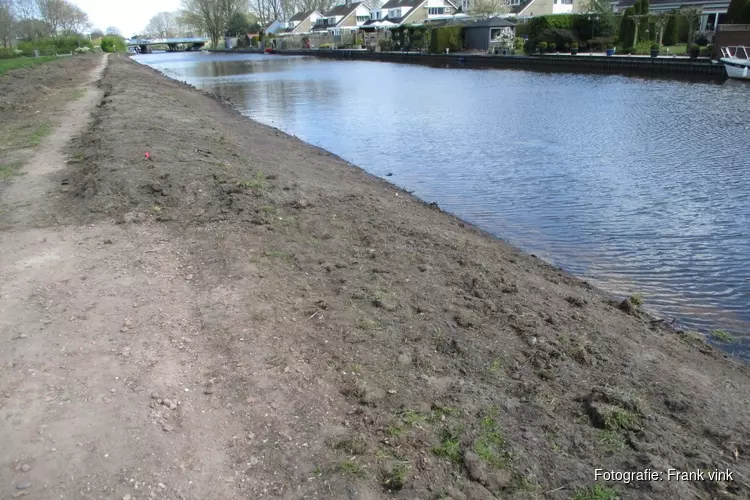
<point x="22" y="62"/>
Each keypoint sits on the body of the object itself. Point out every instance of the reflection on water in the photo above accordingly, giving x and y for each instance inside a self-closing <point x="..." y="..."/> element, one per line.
<point x="641" y="186"/>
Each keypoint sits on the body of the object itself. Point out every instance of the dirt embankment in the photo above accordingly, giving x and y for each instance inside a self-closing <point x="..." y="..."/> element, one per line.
<point x="336" y="338"/>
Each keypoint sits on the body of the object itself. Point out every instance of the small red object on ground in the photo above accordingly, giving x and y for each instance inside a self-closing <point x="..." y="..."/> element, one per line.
<point x="148" y="155"/>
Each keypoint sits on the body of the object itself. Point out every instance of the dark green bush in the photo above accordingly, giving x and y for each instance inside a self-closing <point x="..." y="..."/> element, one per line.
<point x="586" y="29"/>
<point x="447" y="37"/>
<point x="558" y="36"/>
<point x="113" y="44"/>
<point x="574" y="46"/>
<point x="600" y="43"/>
<point x="542" y="46"/>
<point x="552" y="46"/>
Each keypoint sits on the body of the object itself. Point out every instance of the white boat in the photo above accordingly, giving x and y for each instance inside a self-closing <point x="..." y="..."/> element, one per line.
<point x="736" y="61"/>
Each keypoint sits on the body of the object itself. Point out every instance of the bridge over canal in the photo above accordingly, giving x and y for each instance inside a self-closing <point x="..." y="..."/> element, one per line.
<point x="143" y="45"/>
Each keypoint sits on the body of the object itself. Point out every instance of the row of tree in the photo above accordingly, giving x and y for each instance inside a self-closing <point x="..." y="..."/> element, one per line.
<point x="32" y="19"/>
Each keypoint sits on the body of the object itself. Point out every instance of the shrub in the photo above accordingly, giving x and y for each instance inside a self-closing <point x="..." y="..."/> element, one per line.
<point x="519" y="43"/>
<point x="447" y="37"/>
<point x="655" y="46"/>
<point x="385" y="44"/>
<point x="694" y="50"/>
<point x="600" y="43"/>
<point x="558" y="36"/>
<point x="542" y="46"/>
<point x="610" y="46"/>
<point x="552" y="46"/>
<point x="566" y="47"/>
<point x="643" y="47"/>
<point x="59" y="44"/>
<point x="82" y="50"/>
<point x="254" y="41"/>
<point x="574" y="46"/>
<point x="113" y="44"/>
<point x="325" y="46"/>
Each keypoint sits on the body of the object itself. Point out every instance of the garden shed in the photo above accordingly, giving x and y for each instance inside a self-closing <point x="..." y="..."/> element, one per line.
<point x="486" y="33"/>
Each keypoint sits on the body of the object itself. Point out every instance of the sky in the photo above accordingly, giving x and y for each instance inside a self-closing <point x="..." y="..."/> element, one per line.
<point x="129" y="17"/>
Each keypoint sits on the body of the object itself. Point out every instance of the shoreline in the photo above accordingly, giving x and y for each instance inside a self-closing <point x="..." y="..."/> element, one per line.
<point x="662" y="67"/>
<point x="337" y="337"/>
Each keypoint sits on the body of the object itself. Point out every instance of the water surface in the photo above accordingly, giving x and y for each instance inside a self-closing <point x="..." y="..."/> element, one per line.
<point x="638" y="185"/>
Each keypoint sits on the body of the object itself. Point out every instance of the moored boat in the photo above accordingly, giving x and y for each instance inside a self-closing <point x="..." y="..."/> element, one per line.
<point x="736" y="61"/>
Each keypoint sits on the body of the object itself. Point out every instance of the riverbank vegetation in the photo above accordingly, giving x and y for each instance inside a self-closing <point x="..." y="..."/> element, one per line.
<point x="22" y="62"/>
<point x="634" y="32"/>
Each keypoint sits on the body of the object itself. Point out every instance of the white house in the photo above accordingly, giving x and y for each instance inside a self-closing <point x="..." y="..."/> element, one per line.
<point x="301" y="22"/>
<point x="274" y="26"/>
<point x="344" y="17"/>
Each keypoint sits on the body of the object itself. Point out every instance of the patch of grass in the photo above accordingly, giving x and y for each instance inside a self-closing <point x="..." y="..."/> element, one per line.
<point x="22" y="62"/>
<point x="636" y="299"/>
<point x="268" y="209"/>
<point x="611" y="440"/>
<point x="366" y="324"/>
<point x="78" y="157"/>
<point x="410" y="417"/>
<point x="38" y="134"/>
<point x="440" y="413"/>
<point x="496" y="367"/>
<point x="619" y="418"/>
<point x="275" y="254"/>
<point x="9" y="170"/>
<point x="351" y="468"/>
<point x="316" y="472"/>
<point x="693" y="335"/>
<point x="450" y="444"/>
<point x="722" y="336"/>
<point x="156" y="209"/>
<point x="257" y="183"/>
<point x="395" y="430"/>
<point x="490" y="445"/>
<point x="597" y="492"/>
<point x="77" y="94"/>
<point x="394" y="477"/>
<point x="351" y="446"/>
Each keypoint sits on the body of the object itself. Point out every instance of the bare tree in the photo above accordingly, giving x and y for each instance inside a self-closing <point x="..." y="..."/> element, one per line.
<point x="73" y="20"/>
<point x="113" y="30"/>
<point x="488" y="8"/>
<point x="52" y="12"/>
<point x="7" y="22"/>
<point x="25" y="9"/>
<point x="213" y="15"/>
<point x="162" y="25"/>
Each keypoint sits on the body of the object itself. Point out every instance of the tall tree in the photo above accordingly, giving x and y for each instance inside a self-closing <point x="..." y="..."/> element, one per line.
<point x="488" y="8"/>
<point x="7" y="23"/>
<point x="162" y="25"/>
<point x="738" y="12"/>
<point x="52" y="12"/>
<point x="238" y="24"/>
<point x="113" y="30"/>
<point x="214" y="15"/>
<point x="693" y="16"/>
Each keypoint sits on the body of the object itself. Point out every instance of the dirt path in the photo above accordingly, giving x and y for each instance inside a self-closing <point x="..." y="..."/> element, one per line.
<point x="246" y="316"/>
<point x="95" y="320"/>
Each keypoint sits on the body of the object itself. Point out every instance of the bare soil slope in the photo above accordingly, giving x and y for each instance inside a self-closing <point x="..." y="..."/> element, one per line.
<point x="246" y="316"/>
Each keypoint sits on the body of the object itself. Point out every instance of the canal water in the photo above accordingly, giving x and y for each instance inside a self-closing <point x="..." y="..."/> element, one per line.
<point x="637" y="185"/>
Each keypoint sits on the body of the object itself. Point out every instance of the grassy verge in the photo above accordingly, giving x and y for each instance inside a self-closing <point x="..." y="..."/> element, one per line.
<point x="22" y="62"/>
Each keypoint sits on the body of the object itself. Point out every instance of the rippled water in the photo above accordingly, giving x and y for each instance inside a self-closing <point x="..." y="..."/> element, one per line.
<point x="641" y="186"/>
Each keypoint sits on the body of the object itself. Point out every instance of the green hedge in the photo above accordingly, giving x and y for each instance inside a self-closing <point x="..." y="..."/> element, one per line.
<point x="447" y="37"/>
<point x="60" y="44"/>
